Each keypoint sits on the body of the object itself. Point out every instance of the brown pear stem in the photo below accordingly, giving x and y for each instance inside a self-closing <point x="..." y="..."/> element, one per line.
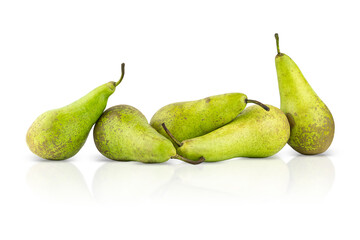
<point x="122" y="74"/>
<point x="277" y="43"/>
<point x="170" y="135"/>
<point x="200" y="160"/>
<point x="258" y="103"/>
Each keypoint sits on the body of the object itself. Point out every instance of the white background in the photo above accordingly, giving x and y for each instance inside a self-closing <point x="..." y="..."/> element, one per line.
<point x="52" y="53"/>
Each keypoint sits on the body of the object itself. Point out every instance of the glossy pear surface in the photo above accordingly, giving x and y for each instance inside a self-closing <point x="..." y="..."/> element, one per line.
<point x="123" y="133"/>
<point x="191" y="119"/>
<point x="255" y="132"/>
<point x="312" y="124"/>
<point x="60" y="133"/>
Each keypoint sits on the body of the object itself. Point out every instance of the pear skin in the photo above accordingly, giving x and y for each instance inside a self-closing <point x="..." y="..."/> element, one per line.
<point x="123" y="133"/>
<point x="253" y="133"/>
<point x="60" y="133"/>
<point x="312" y="124"/>
<point x="191" y="119"/>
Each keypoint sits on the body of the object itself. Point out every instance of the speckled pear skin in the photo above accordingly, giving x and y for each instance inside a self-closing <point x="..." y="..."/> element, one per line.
<point x="123" y="133"/>
<point x="60" y="133"/>
<point x="312" y="124"/>
<point x="191" y="119"/>
<point x="254" y="133"/>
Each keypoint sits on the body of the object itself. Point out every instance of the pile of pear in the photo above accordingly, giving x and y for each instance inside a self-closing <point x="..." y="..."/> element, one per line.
<point x="211" y="129"/>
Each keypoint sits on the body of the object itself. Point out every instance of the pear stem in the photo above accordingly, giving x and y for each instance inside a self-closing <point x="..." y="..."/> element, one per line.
<point x="200" y="160"/>
<point x="122" y="74"/>
<point x="258" y="103"/>
<point x="277" y="43"/>
<point x="170" y="135"/>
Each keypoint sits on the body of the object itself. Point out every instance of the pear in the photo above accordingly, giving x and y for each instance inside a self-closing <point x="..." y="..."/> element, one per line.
<point x="123" y="133"/>
<point x="191" y="119"/>
<point x="253" y="133"/>
<point x="311" y="122"/>
<point x="60" y="133"/>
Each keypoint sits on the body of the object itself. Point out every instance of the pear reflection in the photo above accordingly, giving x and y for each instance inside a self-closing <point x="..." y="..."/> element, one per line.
<point x="235" y="179"/>
<point x="241" y="177"/>
<point x="311" y="176"/>
<point x="121" y="181"/>
<point x="59" y="182"/>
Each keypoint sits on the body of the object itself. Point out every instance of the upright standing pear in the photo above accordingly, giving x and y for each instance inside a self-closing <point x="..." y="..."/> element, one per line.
<point x="191" y="119"/>
<point x="60" y="133"/>
<point x="311" y="122"/>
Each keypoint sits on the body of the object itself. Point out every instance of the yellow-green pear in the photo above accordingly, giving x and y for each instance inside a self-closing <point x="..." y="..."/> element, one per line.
<point x="312" y="124"/>
<point x="191" y="119"/>
<point x="60" y="133"/>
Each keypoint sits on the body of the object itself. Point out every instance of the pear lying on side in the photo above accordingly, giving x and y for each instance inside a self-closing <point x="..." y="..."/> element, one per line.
<point x="123" y="133"/>
<point x="191" y="119"/>
<point x="60" y="133"/>
<point x="312" y="124"/>
<point x="253" y="133"/>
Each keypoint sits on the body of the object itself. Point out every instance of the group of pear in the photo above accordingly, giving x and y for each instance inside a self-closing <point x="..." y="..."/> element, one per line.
<point x="211" y="129"/>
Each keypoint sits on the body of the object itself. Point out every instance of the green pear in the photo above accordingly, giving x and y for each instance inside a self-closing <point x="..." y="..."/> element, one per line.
<point x="123" y="133"/>
<point x="60" y="133"/>
<point x="253" y="133"/>
<point x="191" y="119"/>
<point x="311" y="122"/>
